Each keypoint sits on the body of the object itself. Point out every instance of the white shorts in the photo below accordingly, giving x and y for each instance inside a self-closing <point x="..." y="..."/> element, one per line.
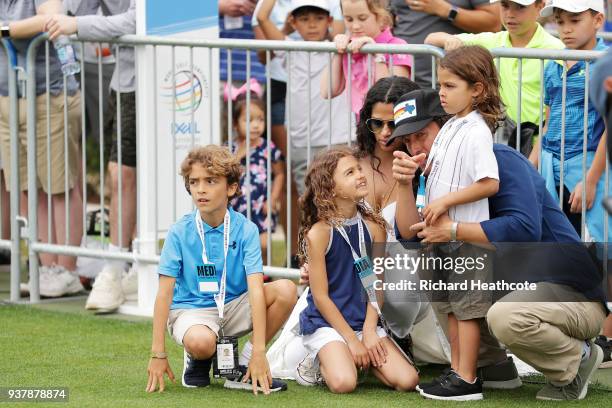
<point x="322" y="336"/>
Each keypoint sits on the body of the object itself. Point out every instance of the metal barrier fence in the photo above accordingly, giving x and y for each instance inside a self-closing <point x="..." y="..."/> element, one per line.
<point x="148" y="256"/>
<point x="604" y="35"/>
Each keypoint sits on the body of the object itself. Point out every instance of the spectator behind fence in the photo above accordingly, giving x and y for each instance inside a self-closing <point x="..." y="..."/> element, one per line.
<point x="415" y="19"/>
<point x="235" y="22"/>
<point x="26" y="19"/>
<point x="280" y="15"/>
<point x="311" y="19"/>
<point x="578" y="22"/>
<point x="520" y="18"/>
<point x="111" y="286"/>
<point x="368" y="22"/>
<point x="210" y="289"/>
<point x="258" y="161"/>
<point x="90" y="54"/>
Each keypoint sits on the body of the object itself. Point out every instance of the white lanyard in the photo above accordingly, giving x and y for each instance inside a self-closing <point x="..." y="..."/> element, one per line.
<point x="362" y="248"/>
<point x="220" y="296"/>
<point x="366" y="281"/>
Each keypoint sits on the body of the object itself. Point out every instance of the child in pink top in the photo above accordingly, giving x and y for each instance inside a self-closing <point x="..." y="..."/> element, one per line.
<point x="368" y="22"/>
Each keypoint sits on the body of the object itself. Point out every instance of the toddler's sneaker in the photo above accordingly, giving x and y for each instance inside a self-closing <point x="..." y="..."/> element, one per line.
<point x="236" y="382"/>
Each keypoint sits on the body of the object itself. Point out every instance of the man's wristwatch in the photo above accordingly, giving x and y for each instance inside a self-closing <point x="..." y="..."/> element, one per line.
<point x="453" y="231"/>
<point x="159" y="354"/>
<point x="452" y="13"/>
<point x="5" y="30"/>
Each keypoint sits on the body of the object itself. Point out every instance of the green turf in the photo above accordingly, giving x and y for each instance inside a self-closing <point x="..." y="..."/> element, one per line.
<point x="103" y="362"/>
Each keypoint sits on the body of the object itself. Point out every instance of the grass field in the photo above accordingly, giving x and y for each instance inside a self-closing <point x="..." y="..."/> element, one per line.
<point x="103" y="363"/>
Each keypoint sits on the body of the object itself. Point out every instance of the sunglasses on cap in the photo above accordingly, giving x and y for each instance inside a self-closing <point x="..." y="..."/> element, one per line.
<point x="377" y="125"/>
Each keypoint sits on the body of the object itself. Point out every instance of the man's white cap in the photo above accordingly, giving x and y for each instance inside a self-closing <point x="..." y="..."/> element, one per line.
<point x="296" y="4"/>
<point x="573" y="6"/>
<point x="521" y="2"/>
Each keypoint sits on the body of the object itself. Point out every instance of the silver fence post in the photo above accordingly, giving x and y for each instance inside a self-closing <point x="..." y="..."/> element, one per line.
<point x="584" y="151"/>
<point x="520" y="105"/>
<point x="32" y="165"/>
<point x="288" y="104"/>
<point x="542" y="113"/>
<point x="14" y="182"/>
<point x="269" y="160"/>
<point x="563" y="106"/>
<point x="247" y="171"/>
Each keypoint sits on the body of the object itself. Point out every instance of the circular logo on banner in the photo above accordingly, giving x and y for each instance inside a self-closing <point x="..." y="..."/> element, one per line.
<point x="185" y="94"/>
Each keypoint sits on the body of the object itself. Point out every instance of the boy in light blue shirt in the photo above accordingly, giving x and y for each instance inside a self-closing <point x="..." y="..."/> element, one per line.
<point x="211" y="282"/>
<point x="578" y="22"/>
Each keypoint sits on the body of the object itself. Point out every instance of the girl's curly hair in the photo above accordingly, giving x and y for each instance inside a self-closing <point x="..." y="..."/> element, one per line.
<point x="317" y="202"/>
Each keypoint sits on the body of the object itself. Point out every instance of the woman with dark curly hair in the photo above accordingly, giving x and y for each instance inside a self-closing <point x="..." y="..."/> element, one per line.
<point x="375" y="127"/>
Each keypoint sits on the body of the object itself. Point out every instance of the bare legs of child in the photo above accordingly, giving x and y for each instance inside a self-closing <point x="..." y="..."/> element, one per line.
<point x="340" y="373"/>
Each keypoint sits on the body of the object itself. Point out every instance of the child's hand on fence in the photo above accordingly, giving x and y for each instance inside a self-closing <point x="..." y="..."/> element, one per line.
<point x="157" y="368"/>
<point x="341" y="41"/>
<point x="376" y="348"/>
<point x="434" y="210"/>
<point x="575" y="199"/>
<point x="259" y="372"/>
<point x="452" y="43"/>
<point x="359" y="353"/>
<point x="356" y="43"/>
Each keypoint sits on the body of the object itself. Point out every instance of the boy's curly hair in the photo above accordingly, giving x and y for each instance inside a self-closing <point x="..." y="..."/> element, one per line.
<point x="217" y="160"/>
<point x="317" y="202"/>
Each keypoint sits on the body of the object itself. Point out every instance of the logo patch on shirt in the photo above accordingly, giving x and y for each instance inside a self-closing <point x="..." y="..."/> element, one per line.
<point x="404" y="110"/>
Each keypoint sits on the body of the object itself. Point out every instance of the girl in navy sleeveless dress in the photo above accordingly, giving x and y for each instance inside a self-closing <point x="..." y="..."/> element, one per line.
<point x="339" y="325"/>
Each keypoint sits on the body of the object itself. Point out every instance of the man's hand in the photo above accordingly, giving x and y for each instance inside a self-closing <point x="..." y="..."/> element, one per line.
<point x="438" y="232"/>
<point x="575" y="199"/>
<point x="435" y="7"/>
<point x="359" y="353"/>
<point x="377" y="350"/>
<point x="434" y="210"/>
<point x="405" y="166"/>
<point x="259" y="372"/>
<point x="237" y="8"/>
<point x="60" y="24"/>
<point x="157" y="368"/>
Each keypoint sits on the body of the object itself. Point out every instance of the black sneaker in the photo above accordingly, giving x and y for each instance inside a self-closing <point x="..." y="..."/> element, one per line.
<point x="196" y="373"/>
<point x="405" y="345"/>
<point x="454" y="388"/>
<point x="445" y="373"/>
<point x="501" y="376"/>
<point x="237" y="384"/>
<point x="606" y="346"/>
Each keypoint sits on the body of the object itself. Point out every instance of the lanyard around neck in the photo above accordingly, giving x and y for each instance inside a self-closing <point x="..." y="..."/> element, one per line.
<point x="219" y="297"/>
<point x="362" y="248"/>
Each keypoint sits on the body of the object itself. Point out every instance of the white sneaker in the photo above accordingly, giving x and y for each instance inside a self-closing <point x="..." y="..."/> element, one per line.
<point x="308" y="372"/>
<point x="129" y="284"/>
<point x="43" y="275"/>
<point x="106" y="294"/>
<point x="57" y="281"/>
